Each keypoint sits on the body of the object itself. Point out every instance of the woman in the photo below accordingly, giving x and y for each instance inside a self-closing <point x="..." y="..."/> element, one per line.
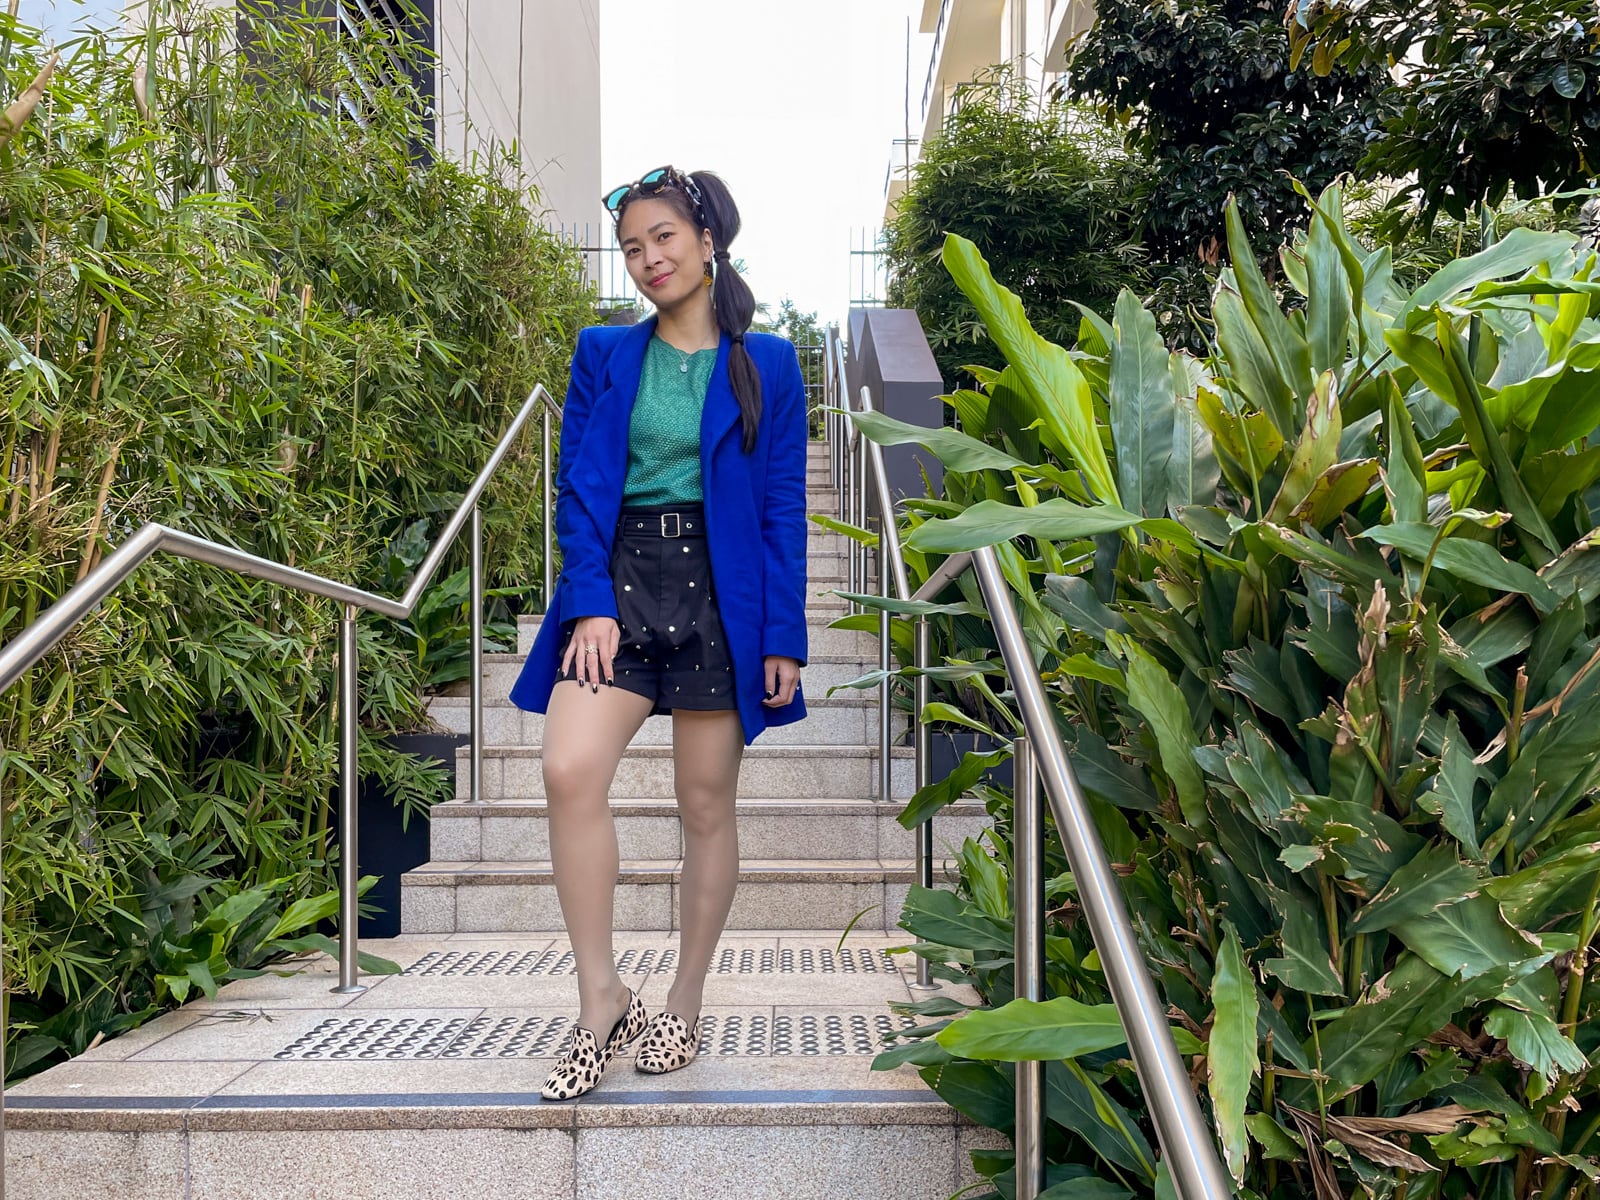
<point x="681" y="515"/>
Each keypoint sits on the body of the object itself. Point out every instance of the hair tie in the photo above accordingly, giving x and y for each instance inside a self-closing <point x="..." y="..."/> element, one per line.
<point x="737" y="338"/>
<point x="721" y="256"/>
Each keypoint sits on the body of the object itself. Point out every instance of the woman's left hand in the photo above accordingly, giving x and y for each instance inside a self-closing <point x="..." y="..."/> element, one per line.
<point x="783" y="677"/>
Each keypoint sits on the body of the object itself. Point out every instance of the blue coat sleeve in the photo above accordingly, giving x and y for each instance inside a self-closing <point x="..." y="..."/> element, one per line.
<point x="783" y="517"/>
<point x="585" y="572"/>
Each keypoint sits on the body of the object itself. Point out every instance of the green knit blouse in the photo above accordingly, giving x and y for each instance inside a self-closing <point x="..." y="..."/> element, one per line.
<point x="664" y="432"/>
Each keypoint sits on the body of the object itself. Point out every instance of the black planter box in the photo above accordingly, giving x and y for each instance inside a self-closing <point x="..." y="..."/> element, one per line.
<point x="386" y="850"/>
<point x="947" y="747"/>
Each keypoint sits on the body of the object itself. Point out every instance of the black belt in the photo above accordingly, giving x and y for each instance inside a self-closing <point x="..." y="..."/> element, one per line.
<point x="663" y="521"/>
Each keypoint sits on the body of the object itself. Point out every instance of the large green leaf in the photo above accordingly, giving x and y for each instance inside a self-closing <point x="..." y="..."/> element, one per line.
<point x="1286" y="346"/>
<point x="940" y="916"/>
<point x="1432" y="880"/>
<point x="1520" y="250"/>
<point x="954" y="449"/>
<point x="1193" y="473"/>
<point x="943" y="792"/>
<point x="1306" y="963"/>
<point x="1466" y="559"/>
<point x="1371" y="1035"/>
<point x="1315" y="452"/>
<point x="1232" y="1054"/>
<point x="1054" y="383"/>
<point x="1026" y="1030"/>
<point x="1327" y="299"/>
<point x="989" y="521"/>
<point x="1152" y="692"/>
<point x="1534" y="1038"/>
<point x="1141" y="405"/>
<point x="1076" y="1102"/>
<point x="1467" y="939"/>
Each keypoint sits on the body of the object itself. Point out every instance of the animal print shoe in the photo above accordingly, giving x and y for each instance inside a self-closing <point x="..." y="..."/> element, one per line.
<point x="584" y="1060"/>
<point x="669" y="1043"/>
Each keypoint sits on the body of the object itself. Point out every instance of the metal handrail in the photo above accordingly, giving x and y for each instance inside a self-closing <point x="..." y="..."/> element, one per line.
<point x="36" y="639"/>
<point x="1184" y="1136"/>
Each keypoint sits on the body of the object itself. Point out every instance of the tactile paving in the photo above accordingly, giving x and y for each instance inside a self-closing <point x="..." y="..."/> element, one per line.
<point x="511" y="1036"/>
<point x="730" y="960"/>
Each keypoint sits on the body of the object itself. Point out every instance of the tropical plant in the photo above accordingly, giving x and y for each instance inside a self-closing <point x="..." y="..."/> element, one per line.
<point x="229" y="305"/>
<point x="1045" y="192"/>
<point x="1487" y="98"/>
<point x="1319" y="615"/>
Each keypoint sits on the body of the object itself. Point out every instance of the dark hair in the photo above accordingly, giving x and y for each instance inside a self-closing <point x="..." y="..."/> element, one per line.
<point x="731" y="299"/>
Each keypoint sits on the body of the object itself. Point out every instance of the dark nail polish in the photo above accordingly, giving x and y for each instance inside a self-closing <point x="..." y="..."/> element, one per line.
<point x="595" y="687"/>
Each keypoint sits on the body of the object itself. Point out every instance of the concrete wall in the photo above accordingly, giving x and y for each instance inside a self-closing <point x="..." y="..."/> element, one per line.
<point x="528" y="74"/>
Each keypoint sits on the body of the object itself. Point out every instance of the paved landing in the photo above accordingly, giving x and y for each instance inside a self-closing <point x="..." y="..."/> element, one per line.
<point x="209" y="1100"/>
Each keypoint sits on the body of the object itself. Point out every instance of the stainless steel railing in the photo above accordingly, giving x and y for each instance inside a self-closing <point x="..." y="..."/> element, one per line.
<point x="35" y="640"/>
<point x="1181" y="1129"/>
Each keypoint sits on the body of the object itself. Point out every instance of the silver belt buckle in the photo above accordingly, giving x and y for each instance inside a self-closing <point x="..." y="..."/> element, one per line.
<point x="677" y="525"/>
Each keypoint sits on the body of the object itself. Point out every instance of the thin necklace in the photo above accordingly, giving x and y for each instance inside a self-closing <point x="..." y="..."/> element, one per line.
<point x="683" y="355"/>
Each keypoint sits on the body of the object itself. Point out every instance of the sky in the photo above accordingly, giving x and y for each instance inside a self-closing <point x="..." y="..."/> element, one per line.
<point x="794" y="104"/>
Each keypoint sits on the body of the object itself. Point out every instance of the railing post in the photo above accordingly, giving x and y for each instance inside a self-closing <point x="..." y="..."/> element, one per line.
<point x="862" y="561"/>
<point x="923" y="739"/>
<point x="544" y="483"/>
<point x="349" y="850"/>
<point x="475" y="689"/>
<point x="885" y="665"/>
<point x="1184" y="1134"/>
<point x="1027" y="878"/>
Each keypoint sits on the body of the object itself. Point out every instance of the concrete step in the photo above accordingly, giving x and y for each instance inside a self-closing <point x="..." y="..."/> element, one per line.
<point x="765" y="773"/>
<point x="649" y="830"/>
<point x="496" y="897"/>
<point x="426" y="1085"/>
<point x="820" y="673"/>
<point x="845" y="718"/>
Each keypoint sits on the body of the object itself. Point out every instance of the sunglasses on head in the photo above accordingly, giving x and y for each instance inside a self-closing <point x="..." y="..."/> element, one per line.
<point x="649" y="184"/>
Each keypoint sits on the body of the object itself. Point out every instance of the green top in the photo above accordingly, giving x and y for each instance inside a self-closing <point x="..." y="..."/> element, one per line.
<point x="664" y="432"/>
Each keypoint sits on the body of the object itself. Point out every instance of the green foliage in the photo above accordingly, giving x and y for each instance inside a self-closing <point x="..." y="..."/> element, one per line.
<point x="1208" y="93"/>
<point x="228" y="306"/>
<point x="1046" y="196"/>
<point x="1330" y="690"/>
<point x="1503" y="97"/>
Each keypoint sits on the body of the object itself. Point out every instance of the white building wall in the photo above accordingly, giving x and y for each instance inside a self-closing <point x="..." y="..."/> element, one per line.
<point x="526" y="74"/>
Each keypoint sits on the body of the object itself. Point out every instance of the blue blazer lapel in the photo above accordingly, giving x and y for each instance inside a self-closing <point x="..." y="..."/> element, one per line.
<point x="605" y="441"/>
<point x="721" y="411"/>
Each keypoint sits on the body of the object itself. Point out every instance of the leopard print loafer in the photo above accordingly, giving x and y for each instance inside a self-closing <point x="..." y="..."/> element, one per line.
<point x="583" y="1060"/>
<point x="669" y="1043"/>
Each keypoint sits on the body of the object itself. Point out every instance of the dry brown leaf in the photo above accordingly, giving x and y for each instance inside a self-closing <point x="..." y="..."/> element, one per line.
<point x="1443" y="1119"/>
<point x="1322" y="1177"/>
<point x="22" y="107"/>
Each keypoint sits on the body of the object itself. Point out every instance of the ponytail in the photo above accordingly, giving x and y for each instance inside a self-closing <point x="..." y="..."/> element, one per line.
<point x="731" y="299"/>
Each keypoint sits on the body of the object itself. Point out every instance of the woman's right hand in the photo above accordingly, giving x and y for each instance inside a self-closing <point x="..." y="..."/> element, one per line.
<point x="594" y="669"/>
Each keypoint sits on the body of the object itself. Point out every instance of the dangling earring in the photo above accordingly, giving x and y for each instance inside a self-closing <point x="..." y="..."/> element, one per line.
<point x="709" y="279"/>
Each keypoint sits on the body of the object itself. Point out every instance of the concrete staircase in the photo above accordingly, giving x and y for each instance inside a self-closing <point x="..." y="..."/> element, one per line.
<point x="425" y="1086"/>
<point x="817" y="847"/>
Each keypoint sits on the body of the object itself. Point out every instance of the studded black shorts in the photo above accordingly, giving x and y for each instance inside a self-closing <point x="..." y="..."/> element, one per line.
<point x="672" y="648"/>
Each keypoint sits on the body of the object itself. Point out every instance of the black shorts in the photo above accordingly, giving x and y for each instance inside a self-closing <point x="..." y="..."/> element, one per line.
<point x="672" y="648"/>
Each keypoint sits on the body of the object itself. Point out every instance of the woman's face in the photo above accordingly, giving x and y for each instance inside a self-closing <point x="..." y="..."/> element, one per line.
<point x="665" y="254"/>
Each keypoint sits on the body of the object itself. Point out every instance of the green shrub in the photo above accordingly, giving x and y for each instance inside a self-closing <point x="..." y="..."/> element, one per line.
<point x="1046" y="193"/>
<point x="228" y="305"/>
<point x="1319" y="619"/>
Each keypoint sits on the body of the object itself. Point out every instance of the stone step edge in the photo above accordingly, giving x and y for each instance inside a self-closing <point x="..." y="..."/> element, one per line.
<point x="752" y="806"/>
<point x="538" y="872"/>
<point x="803" y="750"/>
<point x="602" y="1108"/>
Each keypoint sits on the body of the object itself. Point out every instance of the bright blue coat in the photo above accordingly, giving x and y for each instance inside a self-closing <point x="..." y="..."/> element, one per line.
<point x="755" y="507"/>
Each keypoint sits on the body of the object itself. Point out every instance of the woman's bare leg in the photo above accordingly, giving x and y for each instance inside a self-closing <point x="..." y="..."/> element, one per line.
<point x="706" y="749"/>
<point x="585" y="733"/>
